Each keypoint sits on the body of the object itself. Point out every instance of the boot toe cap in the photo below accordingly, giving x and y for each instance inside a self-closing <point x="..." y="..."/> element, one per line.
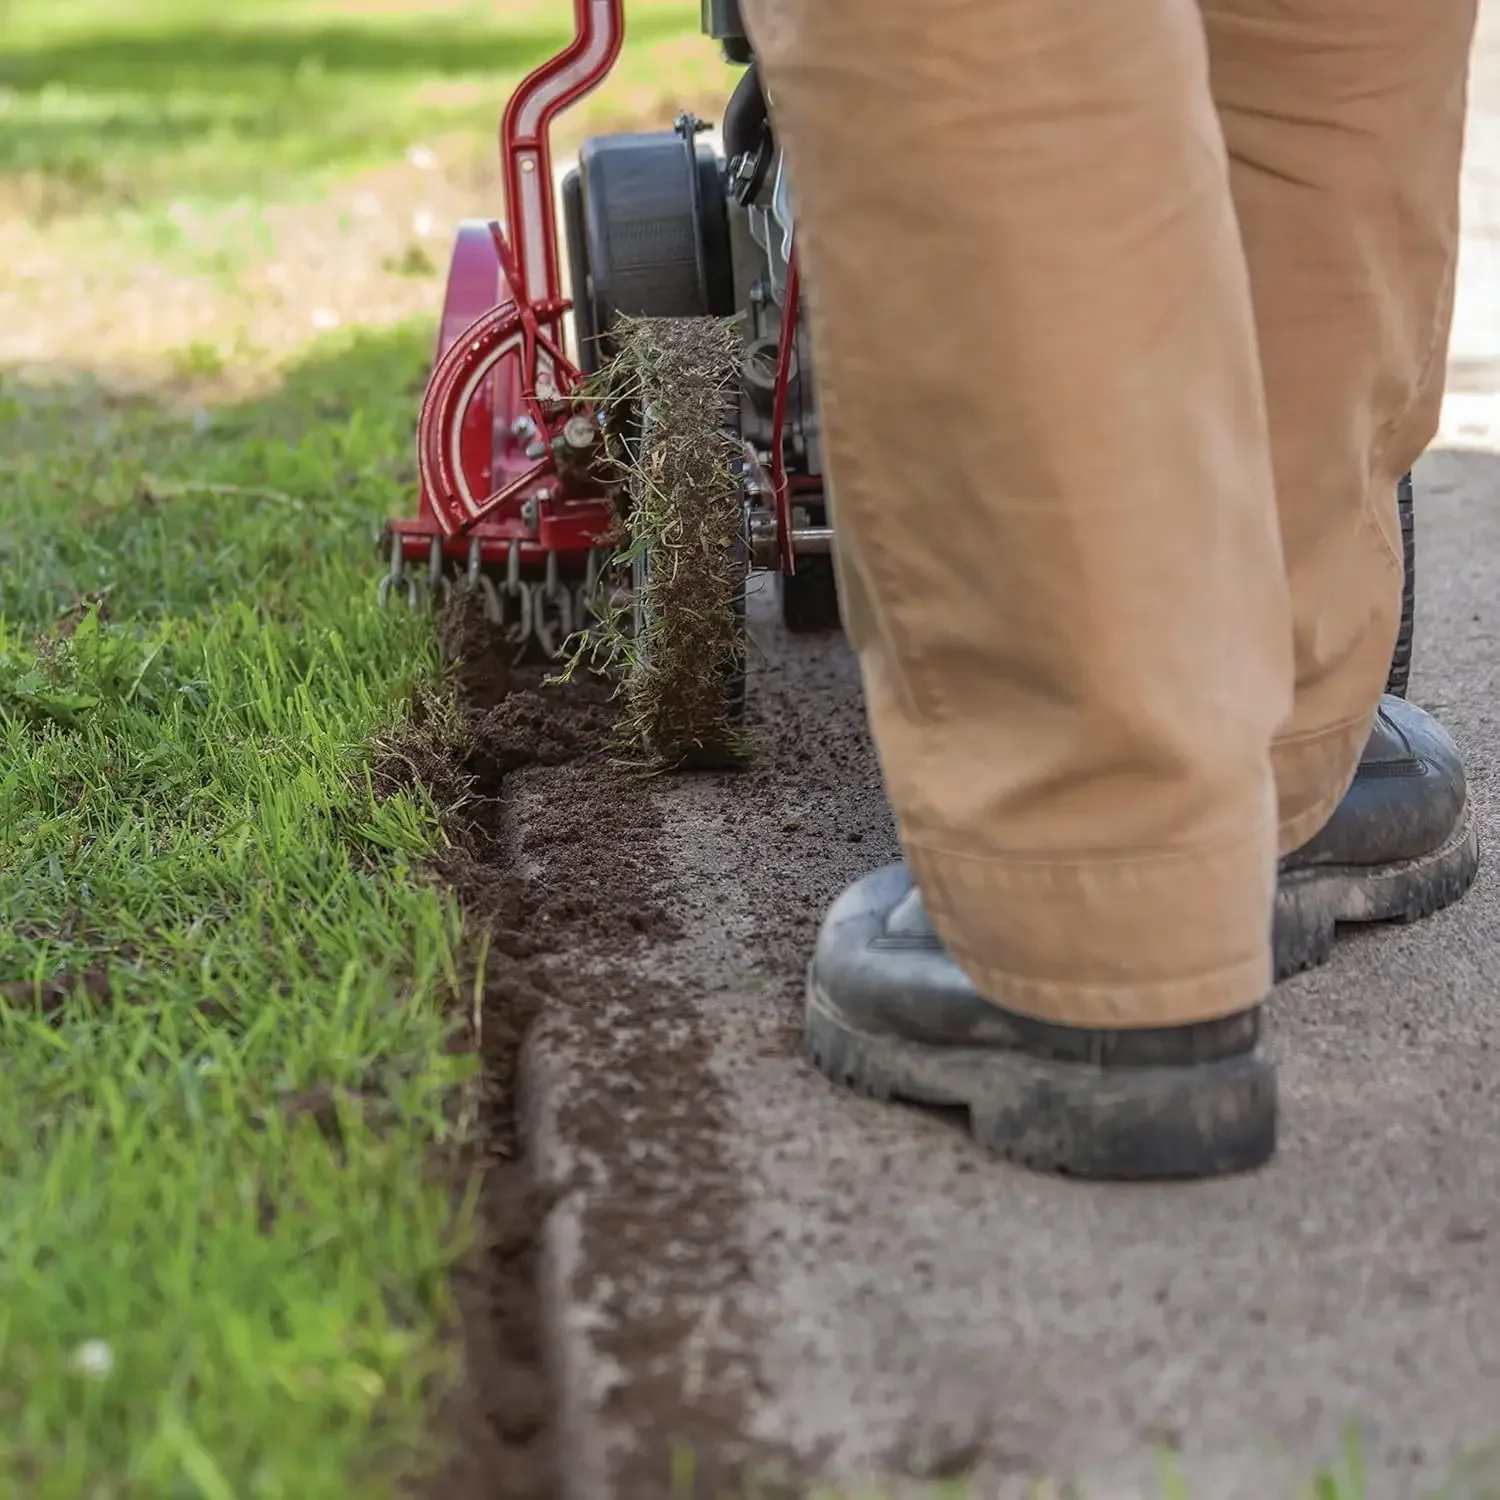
<point x="879" y="961"/>
<point x="1407" y="797"/>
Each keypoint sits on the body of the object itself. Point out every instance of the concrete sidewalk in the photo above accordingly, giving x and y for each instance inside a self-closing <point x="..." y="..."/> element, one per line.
<point x="751" y="1265"/>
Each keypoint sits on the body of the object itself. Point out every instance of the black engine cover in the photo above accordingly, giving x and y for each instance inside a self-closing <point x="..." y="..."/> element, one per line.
<point x="647" y="235"/>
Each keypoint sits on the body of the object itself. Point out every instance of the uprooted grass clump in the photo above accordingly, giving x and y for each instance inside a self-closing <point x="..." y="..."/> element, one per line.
<point x="678" y="648"/>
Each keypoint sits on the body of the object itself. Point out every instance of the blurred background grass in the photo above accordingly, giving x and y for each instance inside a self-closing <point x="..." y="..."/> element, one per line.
<point x="125" y="105"/>
<point x="189" y="190"/>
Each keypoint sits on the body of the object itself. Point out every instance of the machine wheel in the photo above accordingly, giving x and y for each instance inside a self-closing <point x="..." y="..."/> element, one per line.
<point x="1400" y="676"/>
<point x="809" y="597"/>
<point x="697" y="748"/>
<point x="683" y="666"/>
<point x="648" y="245"/>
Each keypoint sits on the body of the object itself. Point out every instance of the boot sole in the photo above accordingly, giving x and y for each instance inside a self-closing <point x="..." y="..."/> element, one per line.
<point x="1311" y="905"/>
<point x="1121" y="1124"/>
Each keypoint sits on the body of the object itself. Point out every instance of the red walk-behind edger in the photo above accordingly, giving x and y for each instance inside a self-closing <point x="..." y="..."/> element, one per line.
<point x="517" y="500"/>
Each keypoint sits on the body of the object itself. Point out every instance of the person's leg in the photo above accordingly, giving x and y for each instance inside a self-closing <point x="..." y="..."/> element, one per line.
<point x="1046" y="435"/>
<point x="1344" y="123"/>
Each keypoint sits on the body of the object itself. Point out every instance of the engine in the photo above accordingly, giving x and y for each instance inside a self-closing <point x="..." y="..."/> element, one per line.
<point x="760" y="235"/>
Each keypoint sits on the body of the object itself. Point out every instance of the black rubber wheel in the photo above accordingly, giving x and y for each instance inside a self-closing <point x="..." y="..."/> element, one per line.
<point x="809" y="597"/>
<point x="1400" y="674"/>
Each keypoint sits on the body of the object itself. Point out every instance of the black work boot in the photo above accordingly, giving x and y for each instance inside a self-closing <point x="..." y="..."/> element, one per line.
<point x="891" y="1015"/>
<point x="1401" y="845"/>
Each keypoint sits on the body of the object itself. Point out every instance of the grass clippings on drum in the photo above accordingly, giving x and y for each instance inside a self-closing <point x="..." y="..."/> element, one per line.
<point x="670" y="394"/>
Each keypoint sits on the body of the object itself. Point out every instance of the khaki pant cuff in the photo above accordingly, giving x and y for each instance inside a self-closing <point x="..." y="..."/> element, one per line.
<point x="1109" y="944"/>
<point x="1313" y="772"/>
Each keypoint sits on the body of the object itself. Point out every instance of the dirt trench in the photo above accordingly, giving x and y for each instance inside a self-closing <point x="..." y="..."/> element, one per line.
<point x="569" y="908"/>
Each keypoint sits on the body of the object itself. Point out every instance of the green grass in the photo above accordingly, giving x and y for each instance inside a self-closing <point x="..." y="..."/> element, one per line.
<point x="210" y="920"/>
<point x="227" y="988"/>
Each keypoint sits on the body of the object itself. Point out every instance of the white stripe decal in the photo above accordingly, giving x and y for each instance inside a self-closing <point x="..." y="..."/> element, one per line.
<point x="570" y="77"/>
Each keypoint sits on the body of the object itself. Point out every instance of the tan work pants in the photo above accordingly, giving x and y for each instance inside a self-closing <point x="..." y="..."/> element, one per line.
<point x="1128" y="316"/>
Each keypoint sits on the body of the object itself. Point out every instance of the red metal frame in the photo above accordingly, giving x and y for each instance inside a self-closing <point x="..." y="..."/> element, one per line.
<point x="525" y="142"/>
<point x="502" y="387"/>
